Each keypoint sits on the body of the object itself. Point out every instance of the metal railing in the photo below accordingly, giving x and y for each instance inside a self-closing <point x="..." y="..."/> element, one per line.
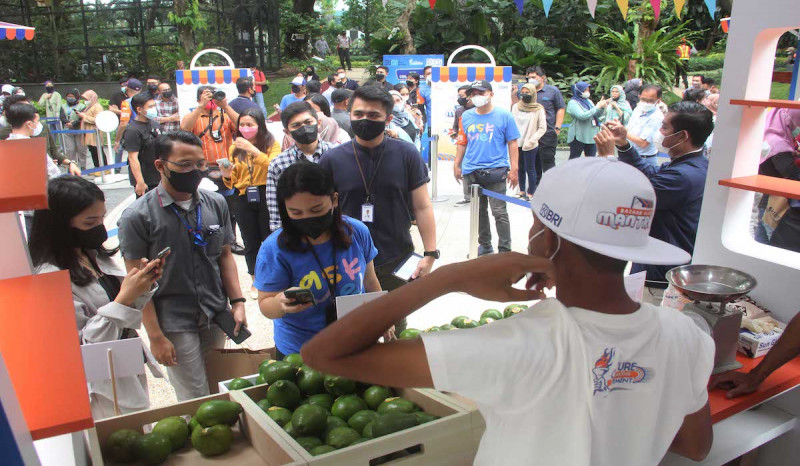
<point x="475" y="193"/>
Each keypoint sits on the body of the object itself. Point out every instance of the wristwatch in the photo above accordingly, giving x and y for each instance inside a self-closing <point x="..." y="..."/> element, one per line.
<point x="435" y="254"/>
<point x="238" y="300"/>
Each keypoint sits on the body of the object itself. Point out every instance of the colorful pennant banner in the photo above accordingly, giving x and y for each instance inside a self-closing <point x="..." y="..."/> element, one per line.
<point x="679" y="7"/>
<point x="592" y="4"/>
<point x="712" y="7"/>
<point x="656" y="4"/>
<point x="520" y="5"/>
<point x="623" y="7"/>
<point x="547" y="4"/>
<point x="432" y="3"/>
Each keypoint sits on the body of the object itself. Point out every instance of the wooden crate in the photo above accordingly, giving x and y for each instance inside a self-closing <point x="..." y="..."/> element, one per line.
<point x="253" y="445"/>
<point x="445" y="441"/>
<point x="478" y="423"/>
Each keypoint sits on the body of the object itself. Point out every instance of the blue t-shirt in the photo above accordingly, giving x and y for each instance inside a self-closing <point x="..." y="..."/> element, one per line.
<point x="486" y="137"/>
<point x="278" y="269"/>
<point x="289" y="99"/>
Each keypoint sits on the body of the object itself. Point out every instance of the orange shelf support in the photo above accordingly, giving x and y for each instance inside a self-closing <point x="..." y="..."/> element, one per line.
<point x="767" y="103"/>
<point x="40" y="347"/>
<point x="23" y="177"/>
<point x="766" y="185"/>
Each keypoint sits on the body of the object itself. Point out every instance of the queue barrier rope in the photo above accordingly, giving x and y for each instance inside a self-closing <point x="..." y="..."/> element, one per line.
<point x="503" y="197"/>
<point x="89" y="171"/>
<point x="474" y="213"/>
<point x="72" y="131"/>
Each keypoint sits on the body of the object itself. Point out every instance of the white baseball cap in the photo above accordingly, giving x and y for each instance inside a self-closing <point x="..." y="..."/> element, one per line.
<point x="7" y="88"/>
<point x="606" y="206"/>
<point x="298" y="81"/>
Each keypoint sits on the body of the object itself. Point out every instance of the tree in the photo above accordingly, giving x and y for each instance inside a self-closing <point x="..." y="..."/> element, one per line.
<point x="365" y="16"/>
<point x="187" y="18"/>
<point x="402" y="24"/>
<point x="300" y="23"/>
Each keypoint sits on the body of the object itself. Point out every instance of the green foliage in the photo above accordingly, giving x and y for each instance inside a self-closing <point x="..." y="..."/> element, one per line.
<point x="564" y="83"/>
<point x="192" y="18"/>
<point x="713" y="61"/>
<point x="520" y="54"/>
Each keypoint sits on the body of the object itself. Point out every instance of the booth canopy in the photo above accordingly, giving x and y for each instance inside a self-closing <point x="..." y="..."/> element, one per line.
<point x="12" y="31"/>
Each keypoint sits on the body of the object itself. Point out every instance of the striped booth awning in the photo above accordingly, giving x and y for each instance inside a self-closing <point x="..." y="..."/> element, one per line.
<point x="726" y="25"/>
<point x="211" y="76"/>
<point x="471" y="73"/>
<point x="12" y="31"/>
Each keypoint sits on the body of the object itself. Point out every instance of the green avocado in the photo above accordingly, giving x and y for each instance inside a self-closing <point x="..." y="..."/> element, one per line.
<point x="447" y="327"/>
<point x="265" y="363"/>
<point x="485" y="320"/>
<point x="175" y="428"/>
<point x="289" y="428"/>
<point x="333" y="422"/>
<point x="192" y="424"/>
<point x="467" y="323"/>
<point x="513" y="309"/>
<point x="433" y="329"/>
<point x="321" y="450"/>
<point x="360" y="419"/>
<point x="260" y="380"/>
<point x="309" y="420"/>
<point x="409" y="334"/>
<point x="281" y="416"/>
<point x="212" y="441"/>
<point x="375" y="395"/>
<point x="341" y="437"/>
<point x="294" y="359"/>
<point x="347" y="405"/>
<point x="308" y="442"/>
<point x="324" y="400"/>
<point x="153" y="448"/>
<point x="279" y="370"/>
<point x="310" y="381"/>
<point x="492" y="313"/>
<point x="392" y="422"/>
<point x="423" y="418"/>
<point x="338" y="386"/>
<point x="397" y="405"/>
<point x="456" y="322"/>
<point x="120" y="446"/>
<point x="264" y="404"/>
<point x="215" y="412"/>
<point x="284" y="393"/>
<point x="367" y="432"/>
<point x="238" y="384"/>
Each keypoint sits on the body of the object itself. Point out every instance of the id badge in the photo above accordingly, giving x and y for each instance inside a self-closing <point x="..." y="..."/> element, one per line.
<point x="367" y="213"/>
<point x="216" y="135"/>
<point x="594" y="122"/>
<point x="253" y="196"/>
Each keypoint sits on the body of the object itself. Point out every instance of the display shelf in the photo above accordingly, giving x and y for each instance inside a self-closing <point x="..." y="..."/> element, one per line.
<point x="766" y="185"/>
<point x="39" y="343"/>
<point x="23" y="179"/>
<point x="775" y="103"/>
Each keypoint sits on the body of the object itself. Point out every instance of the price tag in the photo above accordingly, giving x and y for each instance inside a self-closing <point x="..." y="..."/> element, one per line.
<point x="367" y="211"/>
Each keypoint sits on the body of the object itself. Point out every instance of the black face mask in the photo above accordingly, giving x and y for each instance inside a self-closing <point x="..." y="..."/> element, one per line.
<point x="309" y="72"/>
<point x="185" y="182"/>
<point x="380" y="77"/>
<point x="314" y="227"/>
<point x="368" y="129"/>
<point x="49" y="89"/>
<point x="463" y="101"/>
<point x="410" y="84"/>
<point x="527" y="98"/>
<point x="72" y="100"/>
<point x="295" y="89"/>
<point x="166" y="95"/>
<point x="93" y="238"/>
<point x="153" y="88"/>
<point x="305" y="134"/>
<point x="339" y="85"/>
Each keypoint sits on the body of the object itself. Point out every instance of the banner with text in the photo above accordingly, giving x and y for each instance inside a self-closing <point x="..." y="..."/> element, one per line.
<point x="401" y="65"/>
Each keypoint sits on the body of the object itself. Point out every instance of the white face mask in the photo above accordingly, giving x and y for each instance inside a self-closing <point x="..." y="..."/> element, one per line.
<point x="662" y="148"/>
<point x="534" y="81"/>
<point x="585" y="94"/>
<point x="428" y="80"/>
<point x="480" y="100"/>
<point x="405" y="98"/>
<point x="38" y="130"/>
<point x="398" y="108"/>
<point x="3" y="121"/>
<point x="558" y="246"/>
<point x="646" y="106"/>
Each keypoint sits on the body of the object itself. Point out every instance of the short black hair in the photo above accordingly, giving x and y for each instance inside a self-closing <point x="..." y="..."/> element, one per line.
<point x="165" y="143"/>
<point x="331" y="78"/>
<point x="694" y="95"/>
<point x="140" y="100"/>
<point x="535" y="69"/>
<point x="709" y="81"/>
<point x="374" y="94"/>
<point x="123" y="80"/>
<point x="15" y="99"/>
<point x="413" y="75"/>
<point x="294" y="109"/>
<point x="154" y="77"/>
<point x="19" y="114"/>
<point x="648" y="87"/>
<point x="320" y="102"/>
<point x="429" y="67"/>
<point x="340" y="95"/>
<point x="382" y="67"/>
<point x="693" y="118"/>
<point x="464" y="88"/>
<point x="244" y="84"/>
<point x="202" y="89"/>
<point x="702" y="78"/>
<point x="313" y="86"/>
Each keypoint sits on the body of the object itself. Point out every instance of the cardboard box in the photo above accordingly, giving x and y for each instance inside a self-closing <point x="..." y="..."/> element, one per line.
<point x="223" y="386"/>
<point x="253" y="444"/>
<point x="445" y="441"/>
<point x="755" y="345"/>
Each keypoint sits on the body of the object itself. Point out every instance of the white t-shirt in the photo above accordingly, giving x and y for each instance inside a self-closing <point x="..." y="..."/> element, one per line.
<point x="577" y="387"/>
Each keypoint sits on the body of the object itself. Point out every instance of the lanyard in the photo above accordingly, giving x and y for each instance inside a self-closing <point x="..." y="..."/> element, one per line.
<point x="368" y="188"/>
<point x="196" y="232"/>
<point x="331" y="281"/>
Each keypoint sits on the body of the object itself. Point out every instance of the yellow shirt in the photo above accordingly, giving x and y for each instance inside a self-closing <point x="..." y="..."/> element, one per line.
<point x="240" y="177"/>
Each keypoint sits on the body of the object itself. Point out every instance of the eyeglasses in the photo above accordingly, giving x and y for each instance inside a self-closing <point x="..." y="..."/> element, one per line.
<point x="200" y="164"/>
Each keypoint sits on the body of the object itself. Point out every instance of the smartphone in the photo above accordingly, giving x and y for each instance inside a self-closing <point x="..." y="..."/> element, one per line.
<point x="300" y="296"/>
<point x="225" y="163"/>
<point x="224" y="321"/>
<point x="163" y="253"/>
<point x="407" y="268"/>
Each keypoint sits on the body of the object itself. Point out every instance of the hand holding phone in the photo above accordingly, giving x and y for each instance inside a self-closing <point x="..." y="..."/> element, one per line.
<point x="296" y="300"/>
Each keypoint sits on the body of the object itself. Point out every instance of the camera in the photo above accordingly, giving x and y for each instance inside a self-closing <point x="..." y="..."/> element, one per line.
<point x="219" y="95"/>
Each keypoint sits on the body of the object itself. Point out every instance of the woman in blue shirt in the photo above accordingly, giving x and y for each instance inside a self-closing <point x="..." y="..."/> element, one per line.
<point x="585" y="121"/>
<point x="316" y="246"/>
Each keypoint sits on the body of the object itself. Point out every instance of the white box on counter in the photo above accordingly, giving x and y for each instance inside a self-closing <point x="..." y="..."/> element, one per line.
<point x="755" y="345"/>
<point x="223" y="386"/>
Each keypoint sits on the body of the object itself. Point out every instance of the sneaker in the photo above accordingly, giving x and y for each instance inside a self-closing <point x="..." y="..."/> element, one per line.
<point x="483" y="250"/>
<point x="237" y="248"/>
<point x="462" y="202"/>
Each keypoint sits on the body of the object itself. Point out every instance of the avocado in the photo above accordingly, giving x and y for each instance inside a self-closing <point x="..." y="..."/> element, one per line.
<point x="215" y="412"/>
<point x="324" y="400"/>
<point x="447" y="327"/>
<point x="260" y="380"/>
<point x="120" y="446"/>
<point x="423" y="418"/>
<point x="153" y="448"/>
<point x="397" y="405"/>
<point x="367" y="432"/>
<point x="265" y="363"/>
<point x="309" y="420"/>
<point x="338" y="386"/>
<point x="433" y="329"/>
<point x="289" y="428"/>
<point x="294" y="359"/>
<point x="333" y="422"/>
<point x="321" y="450"/>
<point x="213" y="441"/>
<point x="390" y="423"/>
<point x="238" y="384"/>
<point x="361" y="440"/>
<point x="467" y="323"/>
<point x="360" y="419"/>
<point x="284" y="394"/>
<point x="347" y="405"/>
<point x="308" y="442"/>
<point x="456" y="322"/>
<point x="513" y="309"/>
<point x="341" y="437"/>
<point x="493" y="313"/>
<point x="310" y="381"/>
<point x="280" y="415"/>
<point x="279" y="370"/>
<point x="485" y="320"/>
<point x="175" y="428"/>
<point x="264" y="404"/>
<point x="409" y="334"/>
<point x="192" y="424"/>
<point x="375" y="395"/>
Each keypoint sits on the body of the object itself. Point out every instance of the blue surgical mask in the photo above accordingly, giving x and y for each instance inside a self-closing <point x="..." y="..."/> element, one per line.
<point x="151" y="113"/>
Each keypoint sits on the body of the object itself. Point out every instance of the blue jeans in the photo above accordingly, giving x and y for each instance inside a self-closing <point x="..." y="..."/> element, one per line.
<point x="576" y="148"/>
<point x="527" y="170"/>
<point x="260" y="102"/>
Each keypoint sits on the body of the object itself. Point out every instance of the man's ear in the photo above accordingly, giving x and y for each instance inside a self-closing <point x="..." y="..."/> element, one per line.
<point x="159" y="164"/>
<point x="389" y="120"/>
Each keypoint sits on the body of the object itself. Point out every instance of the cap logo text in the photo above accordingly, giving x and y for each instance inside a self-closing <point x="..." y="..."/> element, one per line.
<point x="547" y="214"/>
<point x="638" y="216"/>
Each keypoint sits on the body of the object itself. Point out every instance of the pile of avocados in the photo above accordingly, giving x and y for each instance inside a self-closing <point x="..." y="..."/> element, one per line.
<point x="463" y="322"/>
<point x="209" y="431"/>
<point x="324" y="413"/>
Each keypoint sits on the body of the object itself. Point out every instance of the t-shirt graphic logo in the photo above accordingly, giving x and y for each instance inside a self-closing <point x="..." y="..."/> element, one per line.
<point x="483" y="132"/>
<point x="626" y="373"/>
<point x="601" y="367"/>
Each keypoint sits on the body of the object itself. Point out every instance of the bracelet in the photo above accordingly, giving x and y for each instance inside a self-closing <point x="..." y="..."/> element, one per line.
<point x="238" y="300"/>
<point x="625" y="148"/>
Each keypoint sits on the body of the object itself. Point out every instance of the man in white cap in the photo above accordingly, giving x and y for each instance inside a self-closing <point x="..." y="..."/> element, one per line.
<point x="591" y="377"/>
<point x="297" y="95"/>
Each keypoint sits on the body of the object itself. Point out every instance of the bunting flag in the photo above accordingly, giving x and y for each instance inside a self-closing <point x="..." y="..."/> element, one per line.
<point x="521" y="3"/>
<point x="547" y="4"/>
<point x="12" y="31"/>
<point x="385" y="2"/>
<point x="712" y="7"/>
<point x="679" y="7"/>
<point x="592" y="6"/>
<point x="623" y="7"/>
<point x="431" y="2"/>
<point x="656" y="4"/>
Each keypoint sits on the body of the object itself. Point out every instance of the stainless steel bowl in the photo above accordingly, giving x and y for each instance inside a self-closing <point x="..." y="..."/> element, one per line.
<point x="711" y="283"/>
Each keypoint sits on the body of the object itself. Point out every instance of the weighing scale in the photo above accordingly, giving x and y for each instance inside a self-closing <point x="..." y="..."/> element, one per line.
<point x="711" y="288"/>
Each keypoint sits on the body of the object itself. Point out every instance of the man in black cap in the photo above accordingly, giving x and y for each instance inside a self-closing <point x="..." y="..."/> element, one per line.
<point x="341" y="112"/>
<point x="487" y="149"/>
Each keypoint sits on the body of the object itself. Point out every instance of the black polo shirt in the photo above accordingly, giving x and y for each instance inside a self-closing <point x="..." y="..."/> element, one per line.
<point x="400" y="171"/>
<point x="117" y="99"/>
<point x="139" y="137"/>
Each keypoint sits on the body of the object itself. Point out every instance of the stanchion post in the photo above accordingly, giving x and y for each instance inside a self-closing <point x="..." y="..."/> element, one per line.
<point x="474" y="214"/>
<point x="100" y="157"/>
<point x="434" y="155"/>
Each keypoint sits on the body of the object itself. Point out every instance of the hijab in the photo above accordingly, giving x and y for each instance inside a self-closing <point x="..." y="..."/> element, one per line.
<point x="579" y="88"/>
<point x="90" y="97"/>
<point x="779" y="133"/>
<point x="77" y="95"/>
<point x="622" y="103"/>
<point x="621" y="97"/>
<point x="533" y="106"/>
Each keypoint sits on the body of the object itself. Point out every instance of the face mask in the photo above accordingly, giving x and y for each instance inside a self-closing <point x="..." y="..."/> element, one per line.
<point x="666" y="149"/>
<point x="38" y="130"/>
<point x="462" y="101"/>
<point x="428" y="80"/>
<point x="305" y="134"/>
<point x="558" y="246"/>
<point x="697" y="85"/>
<point x="380" y="76"/>
<point x="527" y="98"/>
<point x="211" y="105"/>
<point x="534" y="81"/>
<point x="410" y="84"/>
<point x="405" y="98"/>
<point x="166" y="95"/>
<point x="585" y="95"/>
<point x="314" y="227"/>
<point x="186" y="182"/>
<point x="151" y="113"/>
<point x="309" y="72"/>
<point x="153" y="88"/>
<point x="295" y="89"/>
<point x="708" y="93"/>
<point x="123" y="89"/>
<point x="3" y="121"/>
<point x="480" y="100"/>
<point x="93" y="238"/>
<point x="339" y="85"/>
<point x="399" y="108"/>
<point x="342" y="77"/>
<point x="248" y="131"/>
<point x="72" y="101"/>
<point x="49" y="89"/>
<point x="368" y="129"/>
<point x="646" y="107"/>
